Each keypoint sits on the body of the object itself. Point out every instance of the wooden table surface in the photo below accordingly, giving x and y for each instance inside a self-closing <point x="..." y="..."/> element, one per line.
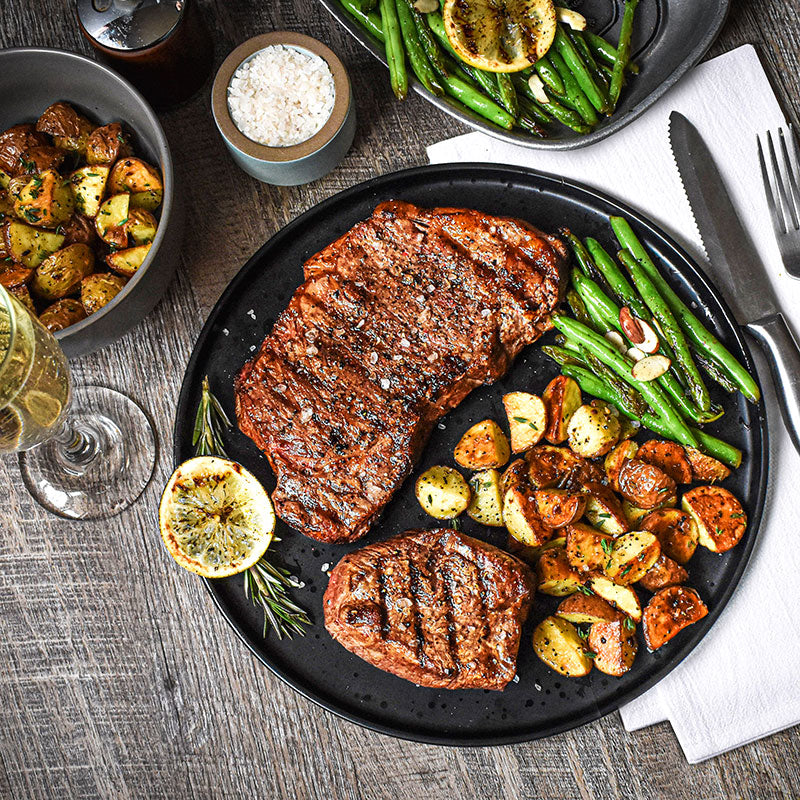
<point x="118" y="679"/>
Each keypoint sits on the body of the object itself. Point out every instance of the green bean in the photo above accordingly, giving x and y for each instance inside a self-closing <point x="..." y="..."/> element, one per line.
<point x="393" y="42"/>
<point x="429" y="45"/>
<point x="591" y="62"/>
<point x="564" y="115"/>
<point x="507" y="93"/>
<point x="715" y="372"/>
<point x="370" y="21"/>
<point x="477" y="102"/>
<point x="578" y="309"/>
<point x="368" y="5"/>
<point x="620" y="286"/>
<point x="606" y="51"/>
<point x="416" y="55"/>
<point x="572" y="89"/>
<point x="623" y="52"/>
<point x="572" y="58"/>
<point x="563" y="357"/>
<point x="549" y="75"/>
<point x="585" y="261"/>
<point x="536" y="112"/>
<point x="700" y="337"/>
<point x="526" y="123"/>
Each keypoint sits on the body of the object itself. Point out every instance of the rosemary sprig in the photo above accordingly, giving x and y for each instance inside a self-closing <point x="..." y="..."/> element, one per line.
<point x="265" y="584"/>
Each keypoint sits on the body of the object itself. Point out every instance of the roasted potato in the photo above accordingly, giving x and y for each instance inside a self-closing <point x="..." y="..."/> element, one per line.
<point x="88" y="187"/>
<point x="562" y="397"/>
<point x="632" y="555"/>
<point x="555" y="576"/>
<point x="45" y="201"/>
<point x="99" y="289"/>
<point x="669" y="611"/>
<point x="14" y="275"/>
<point x="532" y="554"/>
<point x="720" y="518"/>
<point x="604" y="510"/>
<point x="620" y="597"/>
<point x="665" y="572"/>
<point x="521" y="518"/>
<point x="79" y="230"/>
<point x="23" y="295"/>
<point x="6" y="205"/>
<point x="40" y="158"/>
<point x="69" y="129"/>
<point x="111" y="220"/>
<point x="126" y="262"/>
<point x="29" y="246"/>
<point x="486" y="505"/>
<point x="483" y="446"/>
<point x="106" y="144"/>
<point x="587" y="548"/>
<point x="669" y="457"/>
<point x="592" y="431"/>
<point x="15" y="141"/>
<point x="140" y="180"/>
<point x="586" y="609"/>
<point x="644" y="485"/>
<point x="515" y="473"/>
<point x="623" y="452"/>
<point x="558" y="507"/>
<point x="558" y="644"/>
<point x="706" y="468"/>
<point x="441" y="491"/>
<point x="61" y="274"/>
<point x="141" y="226"/>
<point x="550" y="466"/>
<point x="527" y="419"/>
<point x="614" y="646"/>
<point x="5" y="179"/>
<point x="675" y="530"/>
<point x="62" y="314"/>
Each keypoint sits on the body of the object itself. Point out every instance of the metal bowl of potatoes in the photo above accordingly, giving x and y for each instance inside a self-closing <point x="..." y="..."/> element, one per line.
<point x="90" y="230"/>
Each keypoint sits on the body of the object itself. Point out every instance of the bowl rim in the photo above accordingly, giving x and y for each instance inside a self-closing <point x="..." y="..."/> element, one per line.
<point x="167" y="173"/>
<point x="294" y="152"/>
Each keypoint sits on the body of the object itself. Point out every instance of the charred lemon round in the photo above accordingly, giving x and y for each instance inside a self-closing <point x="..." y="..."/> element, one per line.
<point x="216" y="518"/>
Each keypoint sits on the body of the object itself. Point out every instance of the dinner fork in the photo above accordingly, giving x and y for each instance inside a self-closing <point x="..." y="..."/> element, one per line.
<point x="782" y="188"/>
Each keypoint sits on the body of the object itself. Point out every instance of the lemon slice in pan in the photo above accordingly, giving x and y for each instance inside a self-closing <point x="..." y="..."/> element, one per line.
<point x="500" y="35"/>
<point x="216" y="518"/>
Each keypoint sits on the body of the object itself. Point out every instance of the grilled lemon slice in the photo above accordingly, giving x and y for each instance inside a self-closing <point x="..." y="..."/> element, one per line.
<point x="500" y="35"/>
<point x="216" y="519"/>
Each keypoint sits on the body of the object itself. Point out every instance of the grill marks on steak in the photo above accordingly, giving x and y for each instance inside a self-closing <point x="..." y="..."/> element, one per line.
<point x="397" y="321"/>
<point x="435" y="607"/>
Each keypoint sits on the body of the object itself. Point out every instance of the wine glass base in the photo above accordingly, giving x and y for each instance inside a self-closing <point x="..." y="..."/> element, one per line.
<point x="109" y="482"/>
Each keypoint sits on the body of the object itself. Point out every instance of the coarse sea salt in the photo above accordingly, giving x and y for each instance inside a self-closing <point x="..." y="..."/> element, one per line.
<point x="281" y="96"/>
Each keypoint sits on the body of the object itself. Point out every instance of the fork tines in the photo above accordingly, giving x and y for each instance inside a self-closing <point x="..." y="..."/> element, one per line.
<point x="780" y="169"/>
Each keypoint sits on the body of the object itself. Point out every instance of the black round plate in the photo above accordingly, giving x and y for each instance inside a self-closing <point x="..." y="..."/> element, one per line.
<point x="541" y="702"/>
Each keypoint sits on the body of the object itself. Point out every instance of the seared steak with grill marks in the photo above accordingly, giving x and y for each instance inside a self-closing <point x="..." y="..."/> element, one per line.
<point x="397" y="322"/>
<point x="435" y="607"/>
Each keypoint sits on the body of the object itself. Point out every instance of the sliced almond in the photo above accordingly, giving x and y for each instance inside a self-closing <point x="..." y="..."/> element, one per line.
<point x="635" y="353"/>
<point x="616" y="340"/>
<point x="537" y="87"/>
<point x="572" y="18"/>
<point x="650" y="341"/>
<point x="632" y="326"/>
<point x="426" y="6"/>
<point x="650" y="368"/>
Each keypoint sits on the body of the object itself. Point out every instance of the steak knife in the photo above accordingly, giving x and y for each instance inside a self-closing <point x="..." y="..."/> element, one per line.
<point x="736" y="266"/>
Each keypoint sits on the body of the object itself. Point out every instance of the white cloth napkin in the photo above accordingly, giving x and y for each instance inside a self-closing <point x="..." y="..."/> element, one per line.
<point x="743" y="681"/>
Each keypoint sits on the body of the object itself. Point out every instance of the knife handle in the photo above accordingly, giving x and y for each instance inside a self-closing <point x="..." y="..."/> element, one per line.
<point x="781" y="349"/>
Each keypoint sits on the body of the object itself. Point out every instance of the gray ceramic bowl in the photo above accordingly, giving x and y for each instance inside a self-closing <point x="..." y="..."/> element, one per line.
<point x="299" y="163"/>
<point x="33" y="78"/>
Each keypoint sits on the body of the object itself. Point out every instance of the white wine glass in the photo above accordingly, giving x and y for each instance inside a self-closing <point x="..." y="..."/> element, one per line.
<point x="85" y="452"/>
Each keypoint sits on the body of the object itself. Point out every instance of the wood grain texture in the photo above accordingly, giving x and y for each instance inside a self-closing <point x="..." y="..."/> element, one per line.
<point x="117" y="677"/>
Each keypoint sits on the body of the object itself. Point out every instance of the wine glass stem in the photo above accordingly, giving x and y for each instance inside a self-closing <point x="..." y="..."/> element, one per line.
<point x="78" y="445"/>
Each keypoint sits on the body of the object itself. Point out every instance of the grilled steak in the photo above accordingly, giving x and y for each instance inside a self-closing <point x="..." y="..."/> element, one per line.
<point x="397" y="322"/>
<point x="435" y="607"/>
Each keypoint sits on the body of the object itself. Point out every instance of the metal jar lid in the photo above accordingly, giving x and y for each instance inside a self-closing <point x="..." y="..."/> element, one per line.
<point x="129" y="24"/>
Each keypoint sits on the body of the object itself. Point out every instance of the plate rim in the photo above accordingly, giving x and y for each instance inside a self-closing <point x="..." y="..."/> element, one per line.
<point x="508" y="172"/>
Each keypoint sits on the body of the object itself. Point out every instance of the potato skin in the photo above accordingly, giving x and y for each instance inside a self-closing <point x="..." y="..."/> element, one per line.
<point x="23" y="295"/>
<point x="69" y="129"/>
<point x="99" y="289"/>
<point x="40" y="158"/>
<point x="13" y="275"/>
<point x="614" y="645"/>
<point x="79" y="230"/>
<point x="623" y="598"/>
<point x="632" y="556"/>
<point x="15" y="141"/>
<point x="675" y="529"/>
<point x="623" y="452"/>
<point x="721" y="521"/>
<point x="549" y="465"/>
<point x="561" y="398"/>
<point x="604" y="510"/>
<point x="106" y="144"/>
<point x="522" y="519"/>
<point x="644" y="485"/>
<point x="533" y="554"/>
<point x="586" y="609"/>
<point x="555" y="576"/>
<point x="62" y="314"/>
<point x="705" y="468"/>
<point x="61" y="273"/>
<point x="45" y="201"/>
<point x="483" y="446"/>
<point x="587" y="549"/>
<point x="669" y="611"/>
<point x="665" y="572"/>
<point x="134" y="175"/>
<point x="514" y="474"/>
<point x="669" y="457"/>
<point x="558" y="507"/>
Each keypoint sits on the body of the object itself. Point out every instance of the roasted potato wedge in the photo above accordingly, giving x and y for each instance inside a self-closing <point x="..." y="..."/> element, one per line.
<point x="527" y="419"/>
<point x="675" y="530"/>
<point x="555" y="576"/>
<point x="99" y="289"/>
<point x="6" y="205"/>
<point x="614" y="646"/>
<point x="550" y="466"/>
<point x="669" y="611"/>
<point x="12" y="275"/>
<point x="61" y="274"/>
<point x="45" y="201"/>
<point x="29" y="246"/>
<point x="483" y="446"/>
<point x="669" y="457"/>
<point x="620" y="597"/>
<point x="127" y="261"/>
<point x="69" y="129"/>
<point x="558" y="507"/>
<point x="632" y="555"/>
<point x="644" y="485"/>
<point x="532" y="554"/>
<point x="705" y="468"/>
<point x="486" y="505"/>
<point x="140" y="180"/>
<point x="88" y="187"/>
<point x="583" y="609"/>
<point x="5" y="179"/>
<point x="720" y="518"/>
<point x="522" y="519"/>
<point x="141" y="226"/>
<point x="592" y="431"/>
<point x="604" y="510"/>
<point x="558" y="645"/>
<point x="13" y="143"/>
<point x="623" y="452"/>
<point x="514" y="474"/>
<point x="79" y="230"/>
<point x="62" y="314"/>
<point x="587" y="548"/>
<point x="106" y="144"/>
<point x="441" y="491"/>
<point x="24" y="296"/>
<point x="40" y="158"/>
<point x="665" y="572"/>
<point x="111" y="220"/>
<point x="562" y="398"/>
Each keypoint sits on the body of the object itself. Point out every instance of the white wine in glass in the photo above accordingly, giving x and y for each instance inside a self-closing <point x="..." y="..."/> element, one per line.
<point x="86" y="452"/>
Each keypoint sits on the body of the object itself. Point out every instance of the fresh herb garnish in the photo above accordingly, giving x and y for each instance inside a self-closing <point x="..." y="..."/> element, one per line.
<point x="455" y="524"/>
<point x="629" y="624"/>
<point x="589" y="654"/>
<point x="607" y="546"/>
